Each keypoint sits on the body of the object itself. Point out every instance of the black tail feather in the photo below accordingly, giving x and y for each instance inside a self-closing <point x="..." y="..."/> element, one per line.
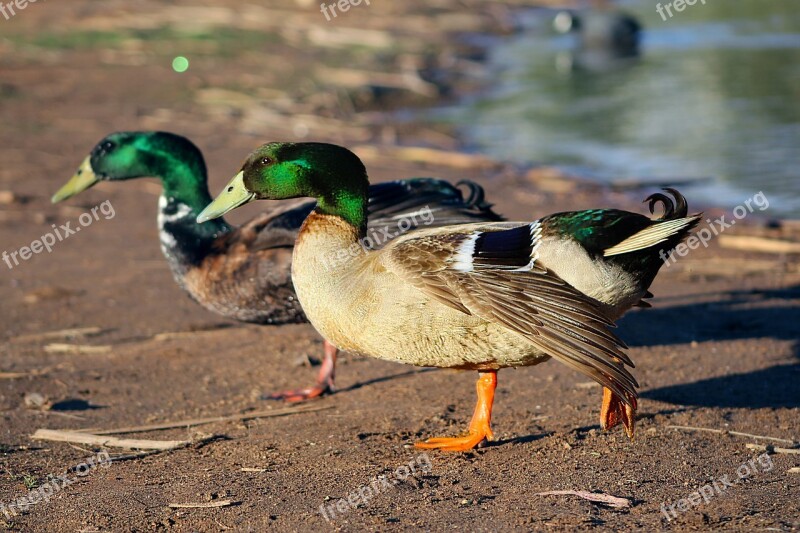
<point x="392" y="199"/>
<point x="678" y="208"/>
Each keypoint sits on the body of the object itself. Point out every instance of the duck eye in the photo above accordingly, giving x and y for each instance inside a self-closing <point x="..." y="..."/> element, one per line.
<point x="266" y="161"/>
<point x="105" y="147"/>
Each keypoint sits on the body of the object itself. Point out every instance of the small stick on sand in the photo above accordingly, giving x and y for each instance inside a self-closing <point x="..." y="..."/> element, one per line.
<point x="210" y="420"/>
<point x="13" y="375"/>
<point x="597" y="497"/>
<point x="101" y="440"/>
<point x="205" y="505"/>
<point x="735" y="433"/>
<point x="59" y="334"/>
<point x="772" y="449"/>
<point x="30" y="373"/>
<point x="76" y="348"/>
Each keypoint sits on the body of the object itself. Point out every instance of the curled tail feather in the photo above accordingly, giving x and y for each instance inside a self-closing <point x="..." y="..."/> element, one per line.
<point x="672" y="209"/>
<point x="671" y="227"/>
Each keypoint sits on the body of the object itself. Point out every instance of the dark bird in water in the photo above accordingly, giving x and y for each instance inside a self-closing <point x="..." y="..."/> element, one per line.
<point x="601" y="29"/>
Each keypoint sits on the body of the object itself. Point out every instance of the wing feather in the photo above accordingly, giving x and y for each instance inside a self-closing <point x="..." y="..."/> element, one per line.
<point x="532" y="302"/>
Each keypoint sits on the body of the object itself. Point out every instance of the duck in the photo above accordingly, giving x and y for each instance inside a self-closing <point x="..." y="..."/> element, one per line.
<point x="244" y="273"/>
<point x="601" y="28"/>
<point x="480" y="296"/>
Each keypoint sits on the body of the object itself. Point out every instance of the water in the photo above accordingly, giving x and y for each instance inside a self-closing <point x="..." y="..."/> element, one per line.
<point x="714" y="97"/>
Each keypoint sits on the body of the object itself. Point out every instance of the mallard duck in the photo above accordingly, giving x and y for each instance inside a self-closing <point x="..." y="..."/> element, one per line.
<point x="244" y="273"/>
<point x="478" y="296"/>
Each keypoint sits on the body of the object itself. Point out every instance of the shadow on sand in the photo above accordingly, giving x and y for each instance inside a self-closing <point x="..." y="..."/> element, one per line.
<point x="742" y="315"/>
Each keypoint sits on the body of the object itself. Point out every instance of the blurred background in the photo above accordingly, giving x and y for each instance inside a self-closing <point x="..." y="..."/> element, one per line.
<point x="611" y="92"/>
<point x="713" y="97"/>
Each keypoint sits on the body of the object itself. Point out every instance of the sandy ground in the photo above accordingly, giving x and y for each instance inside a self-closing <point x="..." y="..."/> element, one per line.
<point x="718" y="350"/>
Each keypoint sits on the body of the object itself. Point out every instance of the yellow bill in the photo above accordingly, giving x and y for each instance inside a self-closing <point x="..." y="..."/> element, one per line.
<point x="83" y="179"/>
<point x="232" y="196"/>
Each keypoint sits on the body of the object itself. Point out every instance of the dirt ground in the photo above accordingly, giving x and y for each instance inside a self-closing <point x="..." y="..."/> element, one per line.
<point x="719" y="349"/>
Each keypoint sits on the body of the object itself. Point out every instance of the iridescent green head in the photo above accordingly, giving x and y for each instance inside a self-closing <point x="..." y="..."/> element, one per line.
<point x="126" y="155"/>
<point x="333" y="175"/>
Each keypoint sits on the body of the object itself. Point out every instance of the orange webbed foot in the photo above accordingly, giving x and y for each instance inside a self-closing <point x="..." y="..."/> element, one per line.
<point x="480" y="430"/>
<point x="614" y="411"/>
<point x="324" y="380"/>
<point x="301" y="395"/>
<point x="476" y="439"/>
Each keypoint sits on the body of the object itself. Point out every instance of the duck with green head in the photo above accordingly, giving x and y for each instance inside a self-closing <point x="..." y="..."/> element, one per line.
<point x="244" y="272"/>
<point x="479" y="296"/>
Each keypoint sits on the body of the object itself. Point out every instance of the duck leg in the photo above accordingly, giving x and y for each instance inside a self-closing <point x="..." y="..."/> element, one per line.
<point x="479" y="428"/>
<point x="324" y="379"/>
<point x="614" y="411"/>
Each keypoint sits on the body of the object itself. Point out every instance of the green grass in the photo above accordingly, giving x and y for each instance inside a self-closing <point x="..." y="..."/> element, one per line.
<point x="218" y="41"/>
<point x="30" y="481"/>
<point x="74" y="40"/>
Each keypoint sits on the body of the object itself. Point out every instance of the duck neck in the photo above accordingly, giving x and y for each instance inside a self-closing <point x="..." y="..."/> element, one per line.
<point x="327" y="243"/>
<point x="350" y="208"/>
<point x="184" y="242"/>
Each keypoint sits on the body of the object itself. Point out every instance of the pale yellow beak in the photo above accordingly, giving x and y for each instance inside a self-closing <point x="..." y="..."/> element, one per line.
<point x="83" y="179"/>
<point x="232" y="196"/>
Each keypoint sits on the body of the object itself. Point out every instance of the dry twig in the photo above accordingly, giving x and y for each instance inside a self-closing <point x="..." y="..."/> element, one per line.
<point x="772" y="449"/>
<point x="735" y="433"/>
<point x="59" y="334"/>
<point x="204" y="505"/>
<point x="210" y="420"/>
<point x="102" y="440"/>
<point x="598" y="497"/>
<point x="14" y="375"/>
<point x="76" y="348"/>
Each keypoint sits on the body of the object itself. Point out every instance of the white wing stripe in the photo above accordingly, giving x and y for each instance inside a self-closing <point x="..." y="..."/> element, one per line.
<point x="462" y="260"/>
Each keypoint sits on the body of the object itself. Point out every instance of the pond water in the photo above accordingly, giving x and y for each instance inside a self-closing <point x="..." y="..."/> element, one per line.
<point x="713" y="97"/>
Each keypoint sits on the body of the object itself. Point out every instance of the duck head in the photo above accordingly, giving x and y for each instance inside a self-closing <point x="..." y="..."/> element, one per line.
<point x="127" y="155"/>
<point x="333" y="175"/>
